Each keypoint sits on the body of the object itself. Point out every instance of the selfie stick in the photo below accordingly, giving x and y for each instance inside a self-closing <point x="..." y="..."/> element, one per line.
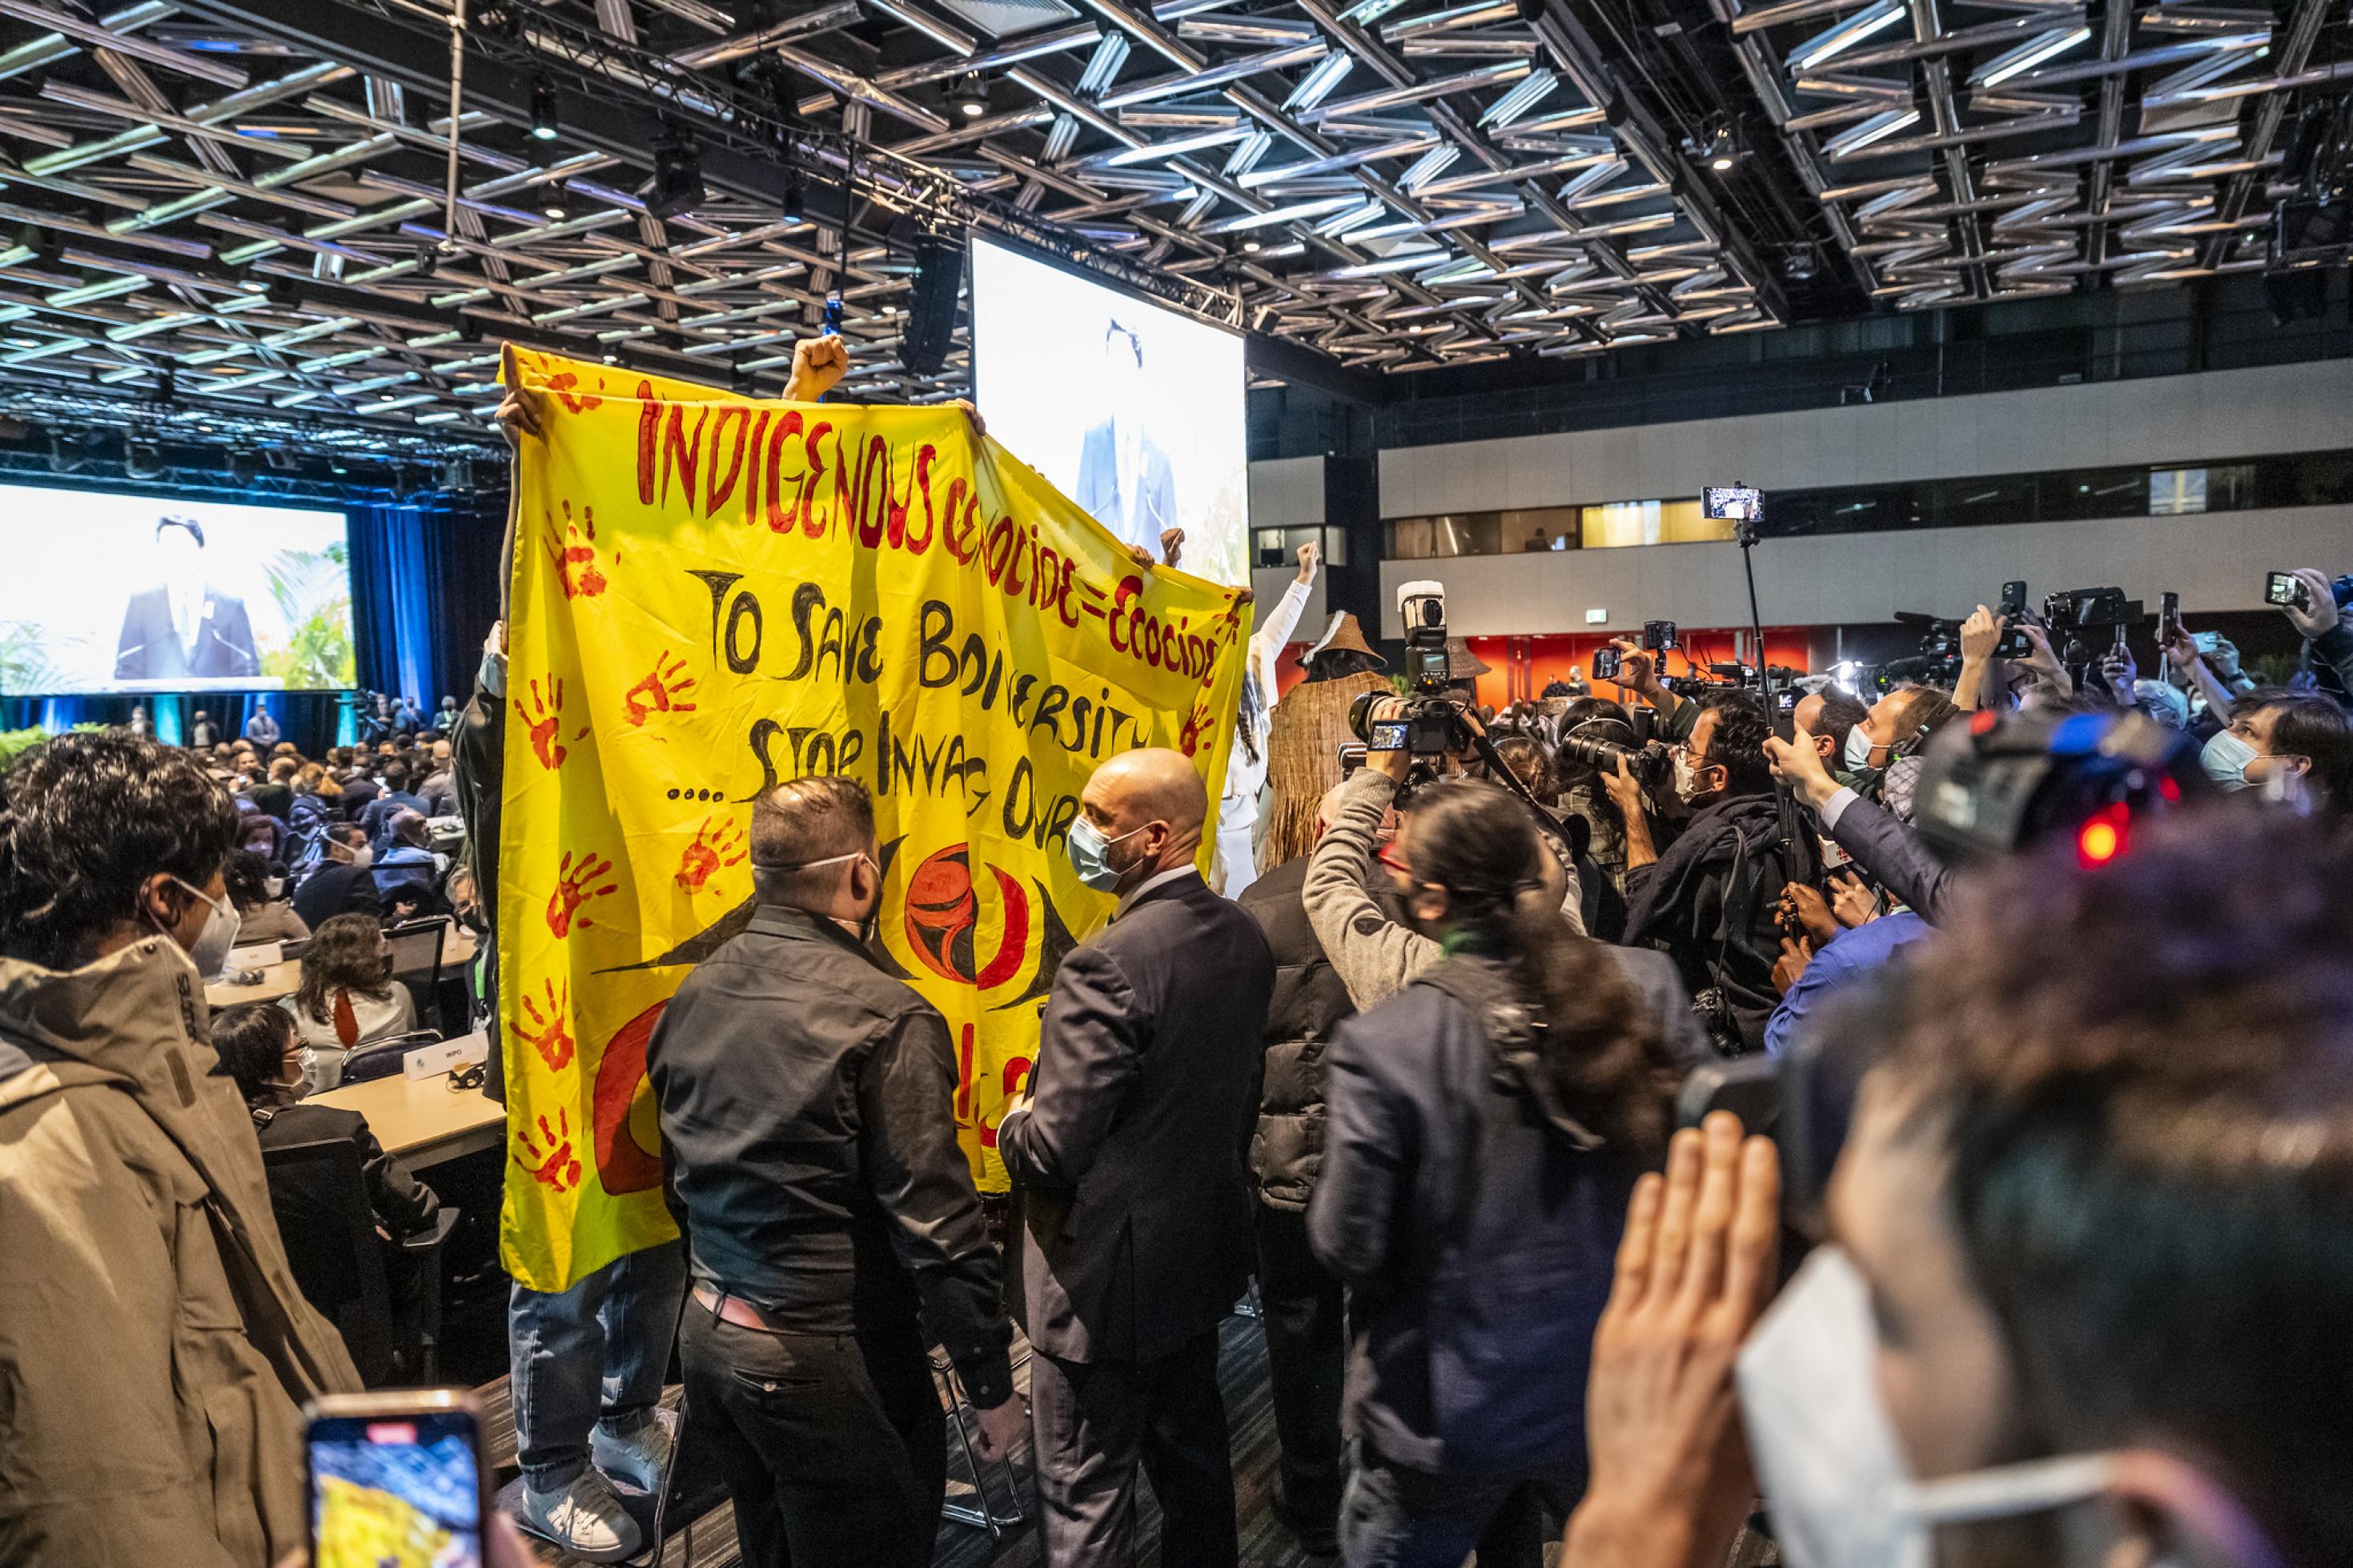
<point x="1744" y="529"/>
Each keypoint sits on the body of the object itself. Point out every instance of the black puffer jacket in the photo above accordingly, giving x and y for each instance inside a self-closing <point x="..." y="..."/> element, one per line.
<point x="1309" y="1003"/>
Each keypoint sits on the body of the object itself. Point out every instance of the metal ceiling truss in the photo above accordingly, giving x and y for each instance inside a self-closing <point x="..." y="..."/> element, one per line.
<point x="239" y="204"/>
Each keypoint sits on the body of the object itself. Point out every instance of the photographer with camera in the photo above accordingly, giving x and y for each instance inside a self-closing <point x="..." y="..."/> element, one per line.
<point x="1486" y="1125"/>
<point x="1710" y="901"/>
<point x="2320" y="616"/>
<point x="1588" y="727"/>
<point x="1882" y="755"/>
<point x="1639" y="672"/>
<point x="1374" y="954"/>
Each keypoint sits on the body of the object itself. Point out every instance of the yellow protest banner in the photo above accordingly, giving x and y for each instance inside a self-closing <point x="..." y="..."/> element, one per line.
<point x="712" y="595"/>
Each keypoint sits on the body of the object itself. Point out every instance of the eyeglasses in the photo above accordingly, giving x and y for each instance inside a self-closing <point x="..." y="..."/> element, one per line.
<point x="1388" y="856"/>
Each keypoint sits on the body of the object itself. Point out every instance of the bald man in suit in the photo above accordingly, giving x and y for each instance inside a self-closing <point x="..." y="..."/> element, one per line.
<point x="1133" y="1227"/>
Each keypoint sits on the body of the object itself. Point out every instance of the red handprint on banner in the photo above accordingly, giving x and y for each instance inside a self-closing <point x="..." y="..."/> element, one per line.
<point x="549" y="1040"/>
<point x="572" y="890"/>
<point x="1200" y="727"/>
<point x="576" y="555"/>
<point x="557" y="1167"/>
<point x="562" y="384"/>
<point x="710" y="851"/>
<point x="661" y="690"/>
<point x="541" y="721"/>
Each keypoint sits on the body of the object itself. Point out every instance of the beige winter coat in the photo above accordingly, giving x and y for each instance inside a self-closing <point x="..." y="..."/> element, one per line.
<point x="152" y="1343"/>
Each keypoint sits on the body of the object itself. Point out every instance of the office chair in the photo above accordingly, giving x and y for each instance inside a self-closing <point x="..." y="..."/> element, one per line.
<point x="416" y="962"/>
<point x="382" y="1058"/>
<point x="320" y="1197"/>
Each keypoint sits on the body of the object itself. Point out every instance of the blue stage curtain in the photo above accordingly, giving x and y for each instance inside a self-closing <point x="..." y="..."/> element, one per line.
<point x="425" y="591"/>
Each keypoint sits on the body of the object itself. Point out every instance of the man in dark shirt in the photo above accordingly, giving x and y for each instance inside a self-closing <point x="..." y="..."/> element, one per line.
<point x="805" y="1099"/>
<point x="341" y="882"/>
<point x="376" y="817"/>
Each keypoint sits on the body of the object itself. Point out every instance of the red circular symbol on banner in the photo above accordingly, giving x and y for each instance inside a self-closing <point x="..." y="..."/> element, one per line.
<point x="943" y="921"/>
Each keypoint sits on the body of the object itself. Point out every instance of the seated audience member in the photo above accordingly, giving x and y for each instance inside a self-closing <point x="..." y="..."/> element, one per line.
<point x="259" y="833"/>
<point x="358" y="786"/>
<point x="154" y="1348"/>
<point x="340" y="881"/>
<point x="1486" y="1126"/>
<point x="2084" y="1302"/>
<point x="274" y="791"/>
<point x="376" y="816"/>
<point x="411" y="863"/>
<point x="348" y="997"/>
<point x="318" y="800"/>
<point x="1710" y="901"/>
<point x="257" y="887"/>
<point x="439" y="789"/>
<point x="259" y="1045"/>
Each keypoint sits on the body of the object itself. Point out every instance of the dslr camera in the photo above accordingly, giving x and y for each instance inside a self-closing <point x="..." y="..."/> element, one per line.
<point x="1431" y="726"/>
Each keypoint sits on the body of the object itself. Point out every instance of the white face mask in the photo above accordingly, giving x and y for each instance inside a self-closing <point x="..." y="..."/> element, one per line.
<point x="1858" y="749"/>
<point x="210" y="951"/>
<point x="1834" y="1478"/>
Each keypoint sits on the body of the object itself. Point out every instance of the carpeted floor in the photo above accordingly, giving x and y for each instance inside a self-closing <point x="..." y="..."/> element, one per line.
<point x="711" y="1541"/>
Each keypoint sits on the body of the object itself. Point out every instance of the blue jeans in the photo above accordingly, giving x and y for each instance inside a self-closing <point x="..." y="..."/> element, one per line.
<point x="1392" y="1517"/>
<point x="593" y="1356"/>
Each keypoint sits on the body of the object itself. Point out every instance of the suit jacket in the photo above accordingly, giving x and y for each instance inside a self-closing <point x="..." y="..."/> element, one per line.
<point x="1099" y="490"/>
<point x="337" y="889"/>
<point x="151" y="648"/>
<point x="1131" y="1207"/>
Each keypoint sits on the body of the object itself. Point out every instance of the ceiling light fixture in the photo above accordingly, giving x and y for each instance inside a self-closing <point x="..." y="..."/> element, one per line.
<point x="1721" y="152"/>
<point x="795" y="203"/>
<point x="554" y="205"/>
<point x="544" y="120"/>
<point x="969" y="99"/>
<point x="676" y="184"/>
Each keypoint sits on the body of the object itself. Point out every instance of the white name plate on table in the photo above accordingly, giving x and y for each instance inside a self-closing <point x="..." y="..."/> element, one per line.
<point x="432" y="1061"/>
<point x="260" y="955"/>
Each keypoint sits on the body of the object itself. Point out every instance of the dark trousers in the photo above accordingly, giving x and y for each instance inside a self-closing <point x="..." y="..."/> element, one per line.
<point x="1306" y="1355"/>
<point x="1092" y="1423"/>
<point x="1401" y="1517"/>
<point x="833" y="1447"/>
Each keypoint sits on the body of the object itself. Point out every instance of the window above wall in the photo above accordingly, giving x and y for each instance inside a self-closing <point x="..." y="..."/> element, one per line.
<point x="2068" y="495"/>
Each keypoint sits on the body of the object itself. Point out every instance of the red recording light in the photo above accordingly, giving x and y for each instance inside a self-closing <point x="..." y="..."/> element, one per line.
<point x="2104" y="837"/>
<point x="2168" y="791"/>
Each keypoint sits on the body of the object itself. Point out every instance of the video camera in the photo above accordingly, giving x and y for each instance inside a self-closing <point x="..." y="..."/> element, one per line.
<point x="1431" y="726"/>
<point x="1938" y="662"/>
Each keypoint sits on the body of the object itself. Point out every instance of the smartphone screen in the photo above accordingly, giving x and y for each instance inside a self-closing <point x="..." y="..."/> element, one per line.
<point x="2168" y="617"/>
<point x="400" y="1488"/>
<point x="2207" y="642"/>
<point x="2279" y="588"/>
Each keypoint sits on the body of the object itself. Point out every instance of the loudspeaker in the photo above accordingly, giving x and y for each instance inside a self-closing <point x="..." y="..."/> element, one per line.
<point x="931" y="312"/>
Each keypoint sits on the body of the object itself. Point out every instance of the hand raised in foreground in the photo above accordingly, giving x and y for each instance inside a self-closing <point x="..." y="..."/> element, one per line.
<point x="1670" y="1478"/>
<point x="517" y="417"/>
<point x="818" y="363"/>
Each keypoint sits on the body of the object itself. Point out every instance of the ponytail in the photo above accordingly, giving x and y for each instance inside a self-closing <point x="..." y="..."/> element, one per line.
<point x="1601" y="1049"/>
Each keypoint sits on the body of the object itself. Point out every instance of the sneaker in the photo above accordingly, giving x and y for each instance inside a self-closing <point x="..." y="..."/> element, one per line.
<point x="585" y="1519"/>
<point x="635" y="1459"/>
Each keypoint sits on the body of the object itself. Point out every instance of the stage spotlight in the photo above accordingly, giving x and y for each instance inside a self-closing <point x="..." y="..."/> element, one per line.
<point x="552" y="206"/>
<point x="426" y="261"/>
<point x="1722" y="154"/>
<point x="1798" y="266"/>
<point x="676" y="185"/>
<point x="544" y="120"/>
<point x="970" y="99"/>
<point x="795" y="206"/>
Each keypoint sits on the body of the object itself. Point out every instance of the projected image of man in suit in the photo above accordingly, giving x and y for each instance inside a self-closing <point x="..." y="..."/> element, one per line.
<point x="183" y="626"/>
<point x="1125" y="481"/>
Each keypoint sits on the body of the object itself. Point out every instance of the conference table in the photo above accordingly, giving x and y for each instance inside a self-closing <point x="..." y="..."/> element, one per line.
<point x="280" y="981"/>
<point x="422" y="1119"/>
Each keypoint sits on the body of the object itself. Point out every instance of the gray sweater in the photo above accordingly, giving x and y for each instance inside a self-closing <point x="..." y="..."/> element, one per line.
<point x="1374" y="956"/>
